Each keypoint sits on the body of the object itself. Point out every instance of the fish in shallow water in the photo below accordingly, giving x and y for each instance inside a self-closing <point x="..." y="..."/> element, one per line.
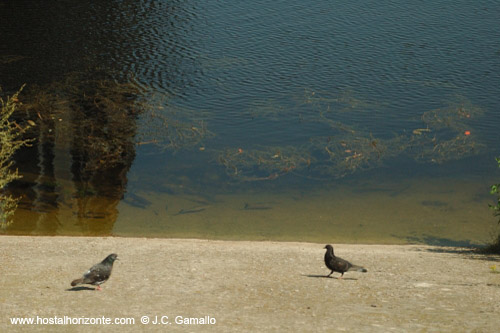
<point x="192" y="210"/>
<point x="136" y="201"/>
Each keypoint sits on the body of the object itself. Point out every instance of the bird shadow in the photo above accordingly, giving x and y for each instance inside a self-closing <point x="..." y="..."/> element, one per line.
<point x="327" y="277"/>
<point x="80" y="289"/>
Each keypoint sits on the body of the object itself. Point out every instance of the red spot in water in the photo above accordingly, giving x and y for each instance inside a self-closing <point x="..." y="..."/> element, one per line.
<point x="467" y="132"/>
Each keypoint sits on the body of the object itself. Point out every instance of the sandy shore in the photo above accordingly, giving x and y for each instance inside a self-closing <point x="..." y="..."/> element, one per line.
<point x="247" y="286"/>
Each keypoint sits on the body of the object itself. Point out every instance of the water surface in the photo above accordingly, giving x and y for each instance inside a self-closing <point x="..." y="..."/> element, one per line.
<point x="287" y="120"/>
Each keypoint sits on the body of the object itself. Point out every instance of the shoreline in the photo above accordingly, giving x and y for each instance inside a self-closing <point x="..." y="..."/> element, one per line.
<point x="249" y="285"/>
<point x="435" y="242"/>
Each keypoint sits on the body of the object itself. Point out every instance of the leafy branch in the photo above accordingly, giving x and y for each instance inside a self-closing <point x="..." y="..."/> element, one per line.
<point x="495" y="190"/>
<point x="11" y="139"/>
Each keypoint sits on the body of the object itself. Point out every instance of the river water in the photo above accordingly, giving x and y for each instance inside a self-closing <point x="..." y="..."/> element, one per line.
<point x="328" y="121"/>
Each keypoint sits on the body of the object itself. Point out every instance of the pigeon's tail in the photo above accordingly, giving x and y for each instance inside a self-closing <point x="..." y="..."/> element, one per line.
<point x="358" y="269"/>
<point x="77" y="281"/>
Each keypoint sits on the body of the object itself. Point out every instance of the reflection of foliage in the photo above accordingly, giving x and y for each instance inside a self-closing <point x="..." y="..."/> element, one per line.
<point x="103" y="114"/>
<point x="94" y="116"/>
<point x="87" y="125"/>
<point x="104" y="127"/>
<point x="10" y="141"/>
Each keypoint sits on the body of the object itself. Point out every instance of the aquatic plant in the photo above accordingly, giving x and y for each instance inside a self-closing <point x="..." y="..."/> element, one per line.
<point x="495" y="190"/>
<point x="445" y="135"/>
<point x="11" y="139"/>
<point x="263" y="163"/>
<point x="170" y="127"/>
<point x="494" y="247"/>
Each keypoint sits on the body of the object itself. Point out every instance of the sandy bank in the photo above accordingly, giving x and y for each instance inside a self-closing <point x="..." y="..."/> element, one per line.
<point x="248" y="286"/>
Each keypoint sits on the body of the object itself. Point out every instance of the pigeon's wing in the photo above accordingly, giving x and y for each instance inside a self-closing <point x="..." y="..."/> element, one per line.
<point x="98" y="273"/>
<point x="341" y="265"/>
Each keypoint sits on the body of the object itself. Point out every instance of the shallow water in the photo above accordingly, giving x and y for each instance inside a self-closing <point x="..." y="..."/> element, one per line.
<point x="289" y="120"/>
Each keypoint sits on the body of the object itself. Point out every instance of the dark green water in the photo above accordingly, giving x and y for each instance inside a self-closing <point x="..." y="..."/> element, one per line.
<point x="287" y="120"/>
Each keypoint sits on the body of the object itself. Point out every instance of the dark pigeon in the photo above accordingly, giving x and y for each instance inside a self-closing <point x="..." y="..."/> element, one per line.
<point x="339" y="265"/>
<point x="99" y="273"/>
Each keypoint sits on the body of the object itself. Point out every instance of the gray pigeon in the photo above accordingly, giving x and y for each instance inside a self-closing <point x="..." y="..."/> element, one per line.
<point x="99" y="273"/>
<point x="339" y="265"/>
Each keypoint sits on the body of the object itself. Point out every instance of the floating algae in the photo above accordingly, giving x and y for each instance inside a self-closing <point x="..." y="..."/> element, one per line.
<point x="454" y="116"/>
<point x="170" y="127"/>
<point x="266" y="163"/>
<point x="342" y="155"/>
<point x="444" y="136"/>
<point x="343" y="101"/>
<point x="101" y="116"/>
<point x="452" y="149"/>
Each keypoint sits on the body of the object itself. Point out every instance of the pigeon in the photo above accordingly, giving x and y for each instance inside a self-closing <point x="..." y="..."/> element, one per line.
<point x="99" y="273"/>
<point x="339" y="265"/>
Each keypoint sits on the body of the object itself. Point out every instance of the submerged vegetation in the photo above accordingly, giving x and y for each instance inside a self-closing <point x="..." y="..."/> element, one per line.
<point x="170" y="127"/>
<point x="95" y="124"/>
<point x="494" y="247"/>
<point x="11" y="139"/>
<point x="445" y="134"/>
<point x="106" y="120"/>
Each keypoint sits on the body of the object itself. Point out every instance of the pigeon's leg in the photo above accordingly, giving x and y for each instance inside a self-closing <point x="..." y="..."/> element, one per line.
<point x="98" y="288"/>
<point x="330" y="274"/>
<point x="340" y="277"/>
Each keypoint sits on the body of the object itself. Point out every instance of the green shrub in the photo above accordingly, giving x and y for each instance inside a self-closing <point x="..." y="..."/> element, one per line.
<point x="11" y="139"/>
<point x="495" y="190"/>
